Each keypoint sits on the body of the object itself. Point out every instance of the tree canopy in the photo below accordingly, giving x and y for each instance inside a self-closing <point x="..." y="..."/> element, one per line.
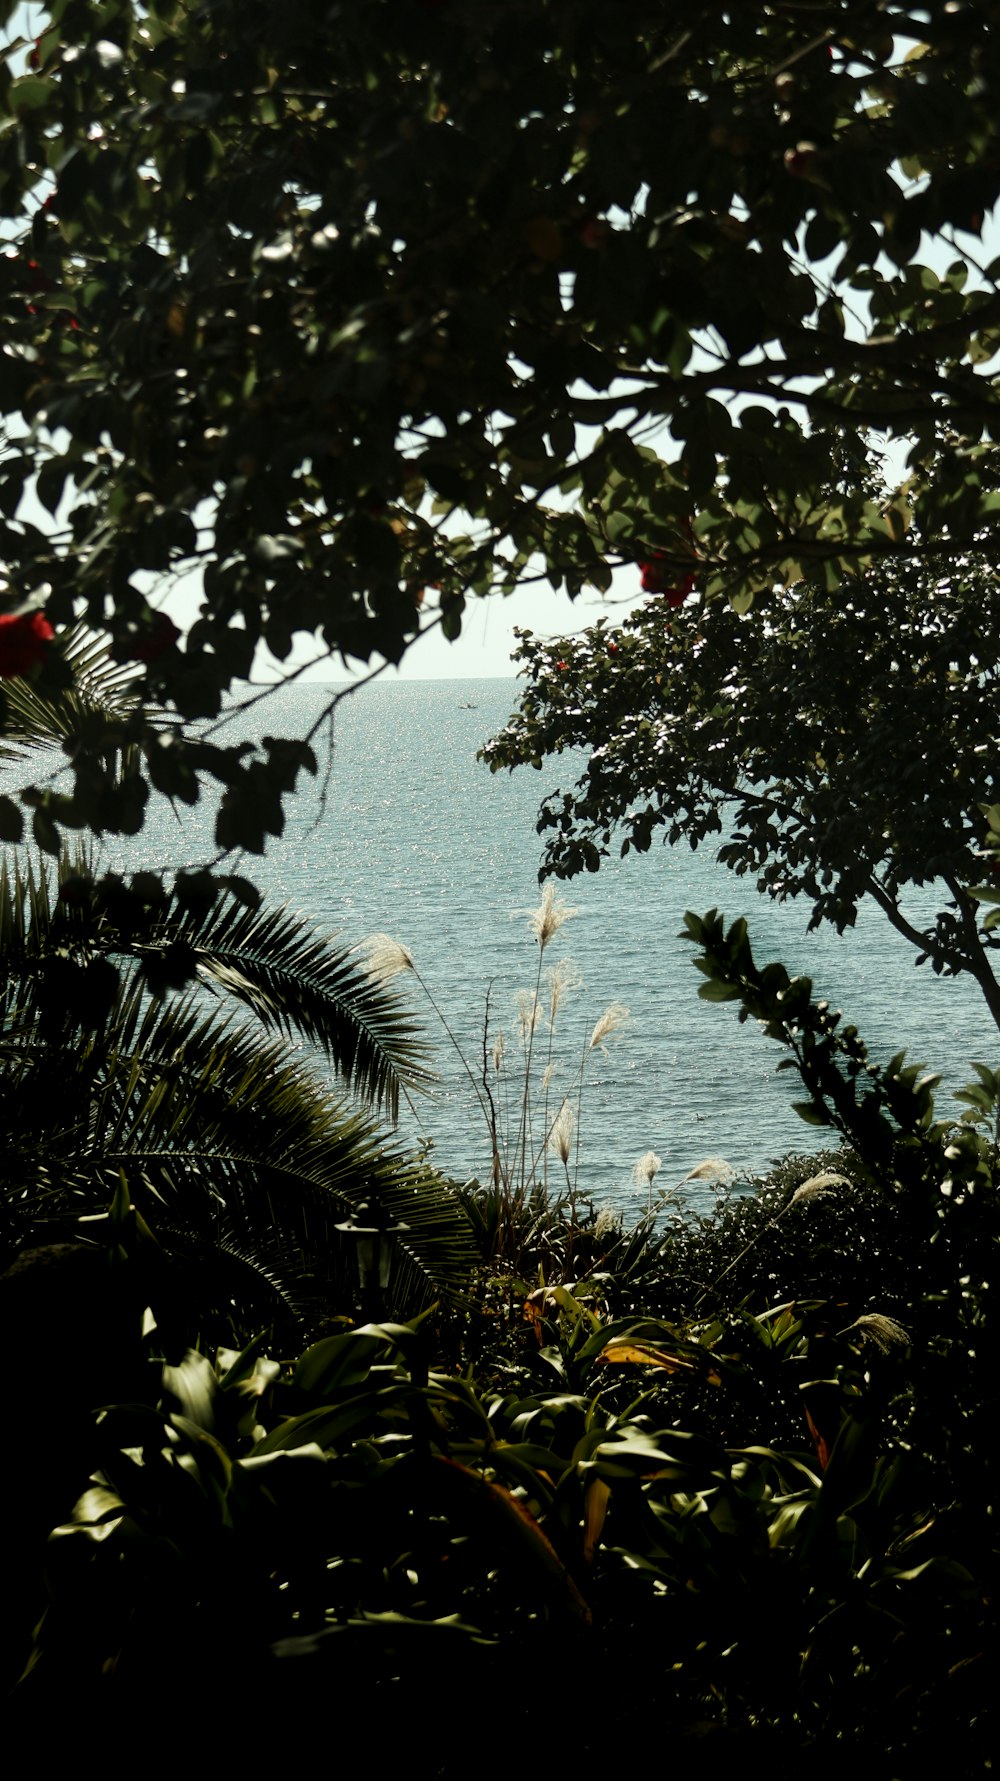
<point x="834" y="744"/>
<point x="352" y="313"/>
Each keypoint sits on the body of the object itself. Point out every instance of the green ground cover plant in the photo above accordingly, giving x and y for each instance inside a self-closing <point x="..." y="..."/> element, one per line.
<point x="772" y="1513"/>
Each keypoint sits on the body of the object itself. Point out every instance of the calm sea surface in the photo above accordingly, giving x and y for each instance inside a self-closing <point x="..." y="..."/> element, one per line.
<point x="418" y="840"/>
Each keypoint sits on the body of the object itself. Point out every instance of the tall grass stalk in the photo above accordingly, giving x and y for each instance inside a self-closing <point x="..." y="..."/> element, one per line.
<point x="608" y="1026"/>
<point x="525" y="1135"/>
<point x="387" y="958"/>
<point x="544" y="923"/>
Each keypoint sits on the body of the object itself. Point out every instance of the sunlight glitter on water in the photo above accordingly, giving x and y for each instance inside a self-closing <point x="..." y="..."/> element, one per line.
<point x="420" y="841"/>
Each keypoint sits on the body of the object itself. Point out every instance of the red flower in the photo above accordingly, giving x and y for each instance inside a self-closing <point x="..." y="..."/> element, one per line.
<point x="561" y="665"/>
<point x="162" y="634"/>
<point x="23" y="640"/>
<point x="676" y="596"/>
<point x="654" y="581"/>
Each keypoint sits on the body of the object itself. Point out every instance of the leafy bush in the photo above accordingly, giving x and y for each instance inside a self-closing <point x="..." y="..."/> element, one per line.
<point x="365" y="1523"/>
<point x="840" y="1242"/>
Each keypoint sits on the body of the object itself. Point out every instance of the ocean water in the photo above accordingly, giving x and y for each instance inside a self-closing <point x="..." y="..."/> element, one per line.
<point x="409" y="835"/>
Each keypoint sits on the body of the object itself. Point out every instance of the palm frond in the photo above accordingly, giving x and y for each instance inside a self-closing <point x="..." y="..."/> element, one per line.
<point x="294" y="980"/>
<point x="25" y="913"/>
<point x="234" y="1282"/>
<point x="210" y="1127"/>
<point x="301" y="982"/>
<point x="102" y="690"/>
<point x="228" y="1144"/>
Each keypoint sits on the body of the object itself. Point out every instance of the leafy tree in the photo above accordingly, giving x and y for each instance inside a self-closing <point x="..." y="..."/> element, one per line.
<point x="225" y="1149"/>
<point x="847" y="735"/>
<point x="352" y="313"/>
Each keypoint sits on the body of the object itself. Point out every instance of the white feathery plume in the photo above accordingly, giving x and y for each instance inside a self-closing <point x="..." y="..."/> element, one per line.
<point x="884" y="1331"/>
<point x="527" y="1012"/>
<point x="818" y="1187"/>
<point x="561" y="1133"/>
<point x="714" y="1168"/>
<point x="561" y="978"/>
<point x="647" y="1168"/>
<point x="609" y="1025"/>
<point x="385" y="957"/>
<point x="645" y="1172"/>
<point x="548" y="918"/>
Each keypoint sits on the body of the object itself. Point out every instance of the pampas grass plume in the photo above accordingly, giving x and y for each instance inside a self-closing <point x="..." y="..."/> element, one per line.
<point x="548" y="918"/>
<point x="609" y="1025"/>
<point x="561" y="1135"/>
<point x="385" y="957"/>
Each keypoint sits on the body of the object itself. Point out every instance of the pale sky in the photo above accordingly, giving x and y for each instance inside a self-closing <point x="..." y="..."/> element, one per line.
<point x="483" y="651"/>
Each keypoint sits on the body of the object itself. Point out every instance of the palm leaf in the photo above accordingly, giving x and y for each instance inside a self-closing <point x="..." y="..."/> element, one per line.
<point x="293" y="979"/>
<point x="268" y="1289"/>
<point x="231" y="1148"/>
<point x="219" y="1136"/>
<point x="302" y="983"/>
<point x="103" y="690"/>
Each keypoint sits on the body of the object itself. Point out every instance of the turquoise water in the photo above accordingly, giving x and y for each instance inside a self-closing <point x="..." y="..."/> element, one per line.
<point x="414" y="838"/>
